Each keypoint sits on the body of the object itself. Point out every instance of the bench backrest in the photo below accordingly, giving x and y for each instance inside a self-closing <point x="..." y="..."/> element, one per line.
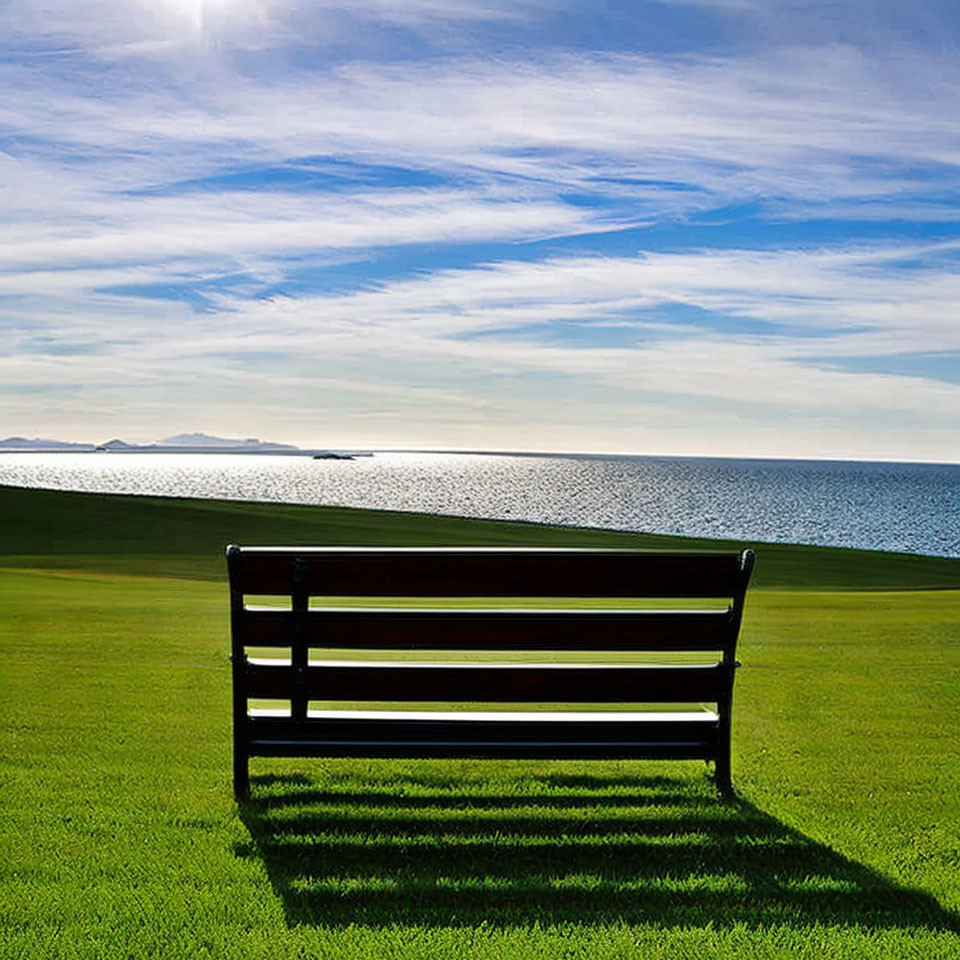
<point x="299" y="574"/>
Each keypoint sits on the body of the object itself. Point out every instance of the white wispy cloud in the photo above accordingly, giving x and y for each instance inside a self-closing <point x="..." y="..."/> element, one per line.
<point x="822" y="125"/>
<point x="829" y="294"/>
<point x="226" y="223"/>
<point x="454" y="327"/>
<point x="124" y="28"/>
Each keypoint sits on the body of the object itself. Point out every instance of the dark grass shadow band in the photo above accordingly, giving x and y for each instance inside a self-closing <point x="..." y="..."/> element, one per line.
<point x="340" y="859"/>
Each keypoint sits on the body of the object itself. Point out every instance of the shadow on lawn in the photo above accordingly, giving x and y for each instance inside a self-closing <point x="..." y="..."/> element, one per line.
<point x="574" y="852"/>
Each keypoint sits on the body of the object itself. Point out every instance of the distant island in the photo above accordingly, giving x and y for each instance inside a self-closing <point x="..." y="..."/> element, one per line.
<point x="36" y="443"/>
<point x="206" y="442"/>
<point x="180" y="443"/>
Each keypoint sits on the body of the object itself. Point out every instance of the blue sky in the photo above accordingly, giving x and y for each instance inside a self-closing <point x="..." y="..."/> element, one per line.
<point x="721" y="227"/>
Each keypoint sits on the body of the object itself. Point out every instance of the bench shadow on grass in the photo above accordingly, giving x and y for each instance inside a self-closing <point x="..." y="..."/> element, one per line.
<point x="654" y="851"/>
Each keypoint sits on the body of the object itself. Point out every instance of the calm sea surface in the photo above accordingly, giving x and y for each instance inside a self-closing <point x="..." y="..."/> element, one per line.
<point x="886" y="506"/>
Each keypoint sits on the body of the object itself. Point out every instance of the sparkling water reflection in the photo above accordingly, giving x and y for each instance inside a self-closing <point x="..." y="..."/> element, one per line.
<point x="888" y="506"/>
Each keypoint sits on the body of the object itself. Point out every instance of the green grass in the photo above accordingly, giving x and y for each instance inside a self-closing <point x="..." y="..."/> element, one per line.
<point x="118" y="835"/>
<point x="185" y="538"/>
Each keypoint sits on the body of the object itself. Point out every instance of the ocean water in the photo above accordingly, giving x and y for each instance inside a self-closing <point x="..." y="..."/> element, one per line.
<point x="913" y="508"/>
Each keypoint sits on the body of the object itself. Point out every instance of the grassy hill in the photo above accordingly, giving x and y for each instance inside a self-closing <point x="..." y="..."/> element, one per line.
<point x="119" y="837"/>
<point x="46" y="528"/>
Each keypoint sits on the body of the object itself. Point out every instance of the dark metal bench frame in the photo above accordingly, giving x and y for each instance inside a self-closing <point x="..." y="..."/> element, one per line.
<point x="299" y="573"/>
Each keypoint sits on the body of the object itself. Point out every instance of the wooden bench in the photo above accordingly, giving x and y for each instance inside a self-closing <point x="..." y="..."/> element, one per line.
<point x="296" y="575"/>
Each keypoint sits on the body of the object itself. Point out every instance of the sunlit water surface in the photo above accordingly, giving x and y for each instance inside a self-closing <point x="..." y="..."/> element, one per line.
<point x="889" y="506"/>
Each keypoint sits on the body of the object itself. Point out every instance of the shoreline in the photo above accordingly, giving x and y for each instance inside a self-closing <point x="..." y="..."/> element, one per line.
<point x="505" y="515"/>
<point x="367" y="525"/>
<point x="365" y="452"/>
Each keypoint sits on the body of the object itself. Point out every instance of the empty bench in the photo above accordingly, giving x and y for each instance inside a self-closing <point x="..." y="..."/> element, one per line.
<point x="696" y="727"/>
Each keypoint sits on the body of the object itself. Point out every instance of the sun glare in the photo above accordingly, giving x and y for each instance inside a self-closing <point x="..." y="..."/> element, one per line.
<point x="195" y="11"/>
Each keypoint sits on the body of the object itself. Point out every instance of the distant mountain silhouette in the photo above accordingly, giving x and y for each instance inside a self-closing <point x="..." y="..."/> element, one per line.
<point x="206" y="441"/>
<point x="39" y="443"/>
<point x="180" y="443"/>
<point x="115" y="445"/>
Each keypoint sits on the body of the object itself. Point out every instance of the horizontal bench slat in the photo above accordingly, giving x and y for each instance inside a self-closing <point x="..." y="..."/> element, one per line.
<point x="392" y="629"/>
<point x="668" y="749"/>
<point x="398" y="726"/>
<point x="470" y="572"/>
<point x="487" y="735"/>
<point x="508" y="683"/>
<point x="540" y="717"/>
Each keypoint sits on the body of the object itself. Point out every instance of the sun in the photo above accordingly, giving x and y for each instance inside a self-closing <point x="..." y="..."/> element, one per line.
<point x="195" y="11"/>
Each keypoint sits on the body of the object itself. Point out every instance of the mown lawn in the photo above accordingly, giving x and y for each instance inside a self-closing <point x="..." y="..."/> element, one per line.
<point x="119" y="837"/>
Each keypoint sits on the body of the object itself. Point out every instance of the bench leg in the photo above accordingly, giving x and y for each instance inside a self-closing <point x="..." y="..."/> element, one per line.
<point x="241" y="775"/>
<point x="724" y="784"/>
<point x="721" y="775"/>
<point x="721" y="766"/>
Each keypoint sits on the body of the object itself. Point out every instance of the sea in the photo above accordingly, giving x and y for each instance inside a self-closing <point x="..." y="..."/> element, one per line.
<point x="903" y="507"/>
